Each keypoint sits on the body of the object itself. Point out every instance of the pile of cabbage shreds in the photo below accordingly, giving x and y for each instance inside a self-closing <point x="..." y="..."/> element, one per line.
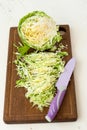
<point x="39" y="70"/>
<point x="38" y="74"/>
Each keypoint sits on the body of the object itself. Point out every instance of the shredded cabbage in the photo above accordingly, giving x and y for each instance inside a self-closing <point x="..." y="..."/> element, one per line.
<point x="38" y="74"/>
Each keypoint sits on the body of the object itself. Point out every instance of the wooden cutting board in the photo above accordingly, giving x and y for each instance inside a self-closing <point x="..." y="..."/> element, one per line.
<point x="18" y="109"/>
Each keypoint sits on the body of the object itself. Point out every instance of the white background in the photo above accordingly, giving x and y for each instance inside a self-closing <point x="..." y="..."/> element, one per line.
<point x="72" y="12"/>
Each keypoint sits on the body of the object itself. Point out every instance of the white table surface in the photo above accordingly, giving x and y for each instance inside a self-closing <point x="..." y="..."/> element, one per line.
<point x="72" y="12"/>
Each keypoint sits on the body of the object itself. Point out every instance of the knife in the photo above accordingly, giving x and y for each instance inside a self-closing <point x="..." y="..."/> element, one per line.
<point x="61" y="85"/>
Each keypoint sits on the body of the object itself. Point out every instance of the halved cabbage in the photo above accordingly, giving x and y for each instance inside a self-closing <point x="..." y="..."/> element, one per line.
<point x="38" y="30"/>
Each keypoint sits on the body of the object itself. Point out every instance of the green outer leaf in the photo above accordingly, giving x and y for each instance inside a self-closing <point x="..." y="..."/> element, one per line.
<point x="22" y="50"/>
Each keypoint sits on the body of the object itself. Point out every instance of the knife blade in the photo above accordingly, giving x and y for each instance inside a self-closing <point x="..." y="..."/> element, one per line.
<point x="61" y="85"/>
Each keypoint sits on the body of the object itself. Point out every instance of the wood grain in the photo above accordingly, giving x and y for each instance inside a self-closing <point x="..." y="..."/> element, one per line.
<point x="17" y="109"/>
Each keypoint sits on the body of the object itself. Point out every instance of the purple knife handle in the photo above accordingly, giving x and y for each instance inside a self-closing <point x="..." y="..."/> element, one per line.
<point x="55" y="105"/>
